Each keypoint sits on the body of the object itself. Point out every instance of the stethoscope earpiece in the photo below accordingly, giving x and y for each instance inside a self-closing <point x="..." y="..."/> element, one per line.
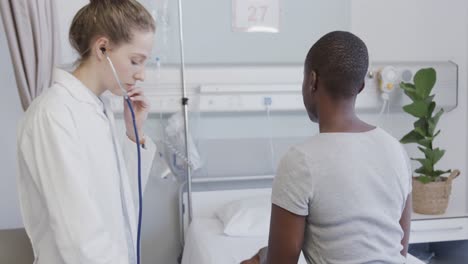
<point x="117" y="79"/>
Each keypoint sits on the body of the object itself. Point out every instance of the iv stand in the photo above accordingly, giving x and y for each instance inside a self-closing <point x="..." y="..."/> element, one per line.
<point x="185" y="109"/>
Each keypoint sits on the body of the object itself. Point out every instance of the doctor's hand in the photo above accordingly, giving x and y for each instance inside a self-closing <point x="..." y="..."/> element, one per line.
<point x="141" y="108"/>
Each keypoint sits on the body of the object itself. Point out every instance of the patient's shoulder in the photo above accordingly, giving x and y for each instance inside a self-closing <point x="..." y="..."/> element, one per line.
<point x="295" y="160"/>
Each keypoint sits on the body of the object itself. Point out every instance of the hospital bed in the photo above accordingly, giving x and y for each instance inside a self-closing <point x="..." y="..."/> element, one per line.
<point x="204" y="241"/>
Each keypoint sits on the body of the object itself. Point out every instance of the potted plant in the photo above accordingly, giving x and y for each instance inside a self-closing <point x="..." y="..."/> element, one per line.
<point x="431" y="187"/>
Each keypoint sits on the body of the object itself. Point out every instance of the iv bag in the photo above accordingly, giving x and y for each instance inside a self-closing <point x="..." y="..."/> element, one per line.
<point x="174" y="148"/>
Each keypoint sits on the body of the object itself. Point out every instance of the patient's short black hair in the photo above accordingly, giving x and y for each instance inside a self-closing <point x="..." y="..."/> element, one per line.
<point x="341" y="61"/>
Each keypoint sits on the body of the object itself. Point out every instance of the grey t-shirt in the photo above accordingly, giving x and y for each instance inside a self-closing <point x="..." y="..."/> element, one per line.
<point x="353" y="188"/>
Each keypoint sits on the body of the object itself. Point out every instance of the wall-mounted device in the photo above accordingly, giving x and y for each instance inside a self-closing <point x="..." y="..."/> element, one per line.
<point x="244" y="88"/>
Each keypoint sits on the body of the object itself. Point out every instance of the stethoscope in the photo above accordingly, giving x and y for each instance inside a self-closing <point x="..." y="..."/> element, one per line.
<point x="137" y="138"/>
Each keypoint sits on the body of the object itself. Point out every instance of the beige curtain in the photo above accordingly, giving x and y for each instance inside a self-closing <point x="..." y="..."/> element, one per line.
<point x="31" y="27"/>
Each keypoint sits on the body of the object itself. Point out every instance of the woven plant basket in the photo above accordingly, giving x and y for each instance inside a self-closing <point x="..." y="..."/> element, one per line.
<point x="432" y="198"/>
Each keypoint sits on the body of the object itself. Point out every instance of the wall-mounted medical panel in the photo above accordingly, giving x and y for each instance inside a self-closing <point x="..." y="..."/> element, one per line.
<point x="278" y="88"/>
<point x="386" y="76"/>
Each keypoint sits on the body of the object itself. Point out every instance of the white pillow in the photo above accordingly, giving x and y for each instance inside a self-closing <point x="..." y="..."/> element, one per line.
<point x="246" y="217"/>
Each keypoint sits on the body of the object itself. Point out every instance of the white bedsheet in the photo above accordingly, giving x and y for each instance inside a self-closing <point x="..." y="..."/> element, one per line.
<point x="205" y="243"/>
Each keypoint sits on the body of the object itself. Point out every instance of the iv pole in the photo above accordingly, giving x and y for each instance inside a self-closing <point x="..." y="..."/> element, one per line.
<point x="185" y="109"/>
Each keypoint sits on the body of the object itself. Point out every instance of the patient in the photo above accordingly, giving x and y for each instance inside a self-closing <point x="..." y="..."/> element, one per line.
<point x="343" y="196"/>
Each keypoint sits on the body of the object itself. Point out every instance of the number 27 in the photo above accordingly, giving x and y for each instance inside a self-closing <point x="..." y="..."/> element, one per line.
<point x="253" y="10"/>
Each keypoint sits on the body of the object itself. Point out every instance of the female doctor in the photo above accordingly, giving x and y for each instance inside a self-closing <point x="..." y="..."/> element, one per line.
<point x="77" y="186"/>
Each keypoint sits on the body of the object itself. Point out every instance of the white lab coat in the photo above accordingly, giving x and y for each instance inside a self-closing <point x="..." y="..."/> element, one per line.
<point x="77" y="188"/>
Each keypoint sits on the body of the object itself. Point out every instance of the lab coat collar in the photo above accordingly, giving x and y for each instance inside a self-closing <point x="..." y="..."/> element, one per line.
<point x="76" y="88"/>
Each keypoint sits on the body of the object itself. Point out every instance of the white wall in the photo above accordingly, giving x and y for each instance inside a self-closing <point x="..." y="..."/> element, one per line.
<point x="209" y="39"/>
<point x="423" y="30"/>
<point x="66" y="12"/>
<point x="10" y="113"/>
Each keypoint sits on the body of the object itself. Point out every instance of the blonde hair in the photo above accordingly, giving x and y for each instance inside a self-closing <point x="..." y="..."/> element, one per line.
<point x="114" y="19"/>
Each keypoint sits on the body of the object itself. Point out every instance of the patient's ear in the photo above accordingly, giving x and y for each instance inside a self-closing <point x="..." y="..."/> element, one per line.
<point x="362" y="88"/>
<point x="312" y="81"/>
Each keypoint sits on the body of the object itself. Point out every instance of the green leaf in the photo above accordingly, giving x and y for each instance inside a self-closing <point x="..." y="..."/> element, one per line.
<point x="420" y="131"/>
<point x="432" y="106"/>
<point x="433" y="155"/>
<point x="426" y="142"/>
<point x="411" y="137"/>
<point x="424" y="80"/>
<point x="417" y="109"/>
<point x="437" y="154"/>
<point x="424" y="179"/>
<point x="423" y="150"/>
<point x="432" y="122"/>
<point x="413" y="96"/>
<point x="420" y="127"/>
<point x="407" y="86"/>
<point x="422" y="171"/>
<point x="422" y="123"/>
<point x="427" y="152"/>
<point x="436" y="134"/>
<point x="410" y="91"/>
<point x="426" y="163"/>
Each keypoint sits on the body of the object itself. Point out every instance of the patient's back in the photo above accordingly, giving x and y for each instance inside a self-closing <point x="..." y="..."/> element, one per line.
<point x="353" y="188"/>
